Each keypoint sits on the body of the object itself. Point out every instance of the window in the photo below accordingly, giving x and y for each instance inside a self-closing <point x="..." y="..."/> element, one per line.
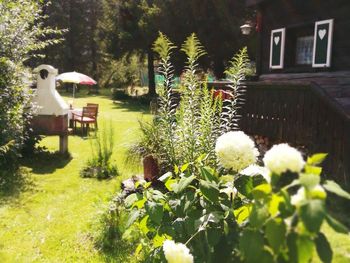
<point x="304" y="50"/>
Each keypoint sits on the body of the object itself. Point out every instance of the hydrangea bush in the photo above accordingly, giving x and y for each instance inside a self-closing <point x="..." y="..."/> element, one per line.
<point x="239" y="211"/>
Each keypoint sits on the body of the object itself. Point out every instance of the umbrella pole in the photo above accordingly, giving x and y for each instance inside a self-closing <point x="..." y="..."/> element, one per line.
<point x="74" y="87"/>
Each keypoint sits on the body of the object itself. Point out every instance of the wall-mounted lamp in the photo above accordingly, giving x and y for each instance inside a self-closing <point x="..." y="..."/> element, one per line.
<point x="246" y="29"/>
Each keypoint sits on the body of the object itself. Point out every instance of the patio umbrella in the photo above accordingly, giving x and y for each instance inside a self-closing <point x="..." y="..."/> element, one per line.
<point x="75" y="78"/>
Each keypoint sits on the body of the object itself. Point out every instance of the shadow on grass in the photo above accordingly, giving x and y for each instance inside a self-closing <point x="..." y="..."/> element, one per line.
<point x="132" y="105"/>
<point x="45" y="162"/>
<point x="13" y="184"/>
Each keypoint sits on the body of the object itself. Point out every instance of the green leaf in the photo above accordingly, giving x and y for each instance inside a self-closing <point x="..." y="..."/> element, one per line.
<point x="139" y="204"/>
<point x="324" y="249"/>
<point x="209" y="190"/>
<point x="244" y="185"/>
<point x="309" y="169"/>
<point x="138" y="249"/>
<point x="157" y="195"/>
<point x="258" y="216"/>
<point x="183" y="184"/>
<point x="143" y="225"/>
<point x="309" y="181"/>
<point x="251" y="245"/>
<point x="336" y="225"/>
<point x="262" y="191"/>
<point x="208" y="174"/>
<point x="305" y="248"/>
<point x="155" y="211"/>
<point x="300" y="248"/>
<point x="335" y="188"/>
<point x="170" y="184"/>
<point x="312" y="214"/>
<point x="242" y="213"/>
<point x="131" y="199"/>
<point x="134" y="214"/>
<point x="184" y="167"/>
<point x="316" y="159"/>
<point x="176" y="169"/>
<point x="276" y="234"/>
<point x="213" y="236"/>
<point x="159" y="240"/>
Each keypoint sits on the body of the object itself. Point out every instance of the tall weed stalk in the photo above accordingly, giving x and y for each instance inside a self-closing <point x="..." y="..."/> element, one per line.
<point x="235" y="73"/>
<point x="100" y="164"/>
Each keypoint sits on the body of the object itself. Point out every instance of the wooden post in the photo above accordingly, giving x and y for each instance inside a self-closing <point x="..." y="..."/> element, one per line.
<point x="64" y="144"/>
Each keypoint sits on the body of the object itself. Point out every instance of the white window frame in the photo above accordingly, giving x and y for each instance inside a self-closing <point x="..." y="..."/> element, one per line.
<point x="329" y="46"/>
<point x="283" y="36"/>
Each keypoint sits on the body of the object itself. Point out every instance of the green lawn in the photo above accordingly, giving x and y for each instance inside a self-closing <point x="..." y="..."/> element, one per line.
<point x="54" y="218"/>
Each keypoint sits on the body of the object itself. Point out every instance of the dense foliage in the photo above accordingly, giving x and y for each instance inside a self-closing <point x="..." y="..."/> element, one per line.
<point x="22" y="36"/>
<point x="255" y="215"/>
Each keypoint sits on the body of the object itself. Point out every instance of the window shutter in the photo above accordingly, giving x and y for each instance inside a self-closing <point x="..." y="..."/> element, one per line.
<point x="323" y="44"/>
<point x="277" y="48"/>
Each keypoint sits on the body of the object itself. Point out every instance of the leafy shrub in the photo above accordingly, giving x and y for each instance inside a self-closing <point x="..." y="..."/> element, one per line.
<point x="22" y="36"/>
<point x="99" y="165"/>
<point x="187" y="127"/>
<point x="258" y="214"/>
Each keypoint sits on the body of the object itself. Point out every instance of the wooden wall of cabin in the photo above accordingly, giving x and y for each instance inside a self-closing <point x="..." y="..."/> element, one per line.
<point x="295" y="13"/>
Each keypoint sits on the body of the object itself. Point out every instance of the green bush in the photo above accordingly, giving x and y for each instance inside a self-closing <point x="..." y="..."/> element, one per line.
<point x="260" y="214"/>
<point x="22" y="36"/>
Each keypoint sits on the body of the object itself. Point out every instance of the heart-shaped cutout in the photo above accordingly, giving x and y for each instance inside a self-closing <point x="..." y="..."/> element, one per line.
<point x="277" y="40"/>
<point x="322" y="33"/>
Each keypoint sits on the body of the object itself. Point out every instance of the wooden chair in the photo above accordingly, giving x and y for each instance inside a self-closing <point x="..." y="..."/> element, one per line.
<point x="88" y="116"/>
<point x="94" y="105"/>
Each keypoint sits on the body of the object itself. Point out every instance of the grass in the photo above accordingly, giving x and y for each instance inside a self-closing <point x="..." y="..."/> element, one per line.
<point x="55" y="217"/>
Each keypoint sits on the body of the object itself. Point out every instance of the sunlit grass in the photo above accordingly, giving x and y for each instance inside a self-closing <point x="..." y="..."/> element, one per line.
<point x="56" y="218"/>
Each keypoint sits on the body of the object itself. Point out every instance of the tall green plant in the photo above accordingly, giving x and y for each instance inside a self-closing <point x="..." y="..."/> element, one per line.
<point x="100" y="164"/>
<point x="167" y="105"/>
<point x="190" y="105"/>
<point x="188" y="127"/>
<point x="236" y="73"/>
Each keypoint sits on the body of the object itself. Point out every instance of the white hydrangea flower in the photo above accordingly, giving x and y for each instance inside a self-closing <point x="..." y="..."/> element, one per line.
<point x="235" y="150"/>
<point x="253" y="170"/>
<point x="176" y="252"/>
<point x="299" y="197"/>
<point x="281" y="158"/>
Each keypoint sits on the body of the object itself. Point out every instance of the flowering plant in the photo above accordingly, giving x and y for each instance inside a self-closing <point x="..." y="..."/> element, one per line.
<point x="259" y="214"/>
<point x="235" y="150"/>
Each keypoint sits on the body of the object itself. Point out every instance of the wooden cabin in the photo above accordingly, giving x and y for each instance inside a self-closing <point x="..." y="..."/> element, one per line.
<point x="302" y="95"/>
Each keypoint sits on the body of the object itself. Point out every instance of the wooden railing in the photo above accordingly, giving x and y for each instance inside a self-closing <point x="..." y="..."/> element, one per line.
<point x="300" y="115"/>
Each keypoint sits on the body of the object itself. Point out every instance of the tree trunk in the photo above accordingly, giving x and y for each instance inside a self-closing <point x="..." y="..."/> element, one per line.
<point x="151" y="76"/>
